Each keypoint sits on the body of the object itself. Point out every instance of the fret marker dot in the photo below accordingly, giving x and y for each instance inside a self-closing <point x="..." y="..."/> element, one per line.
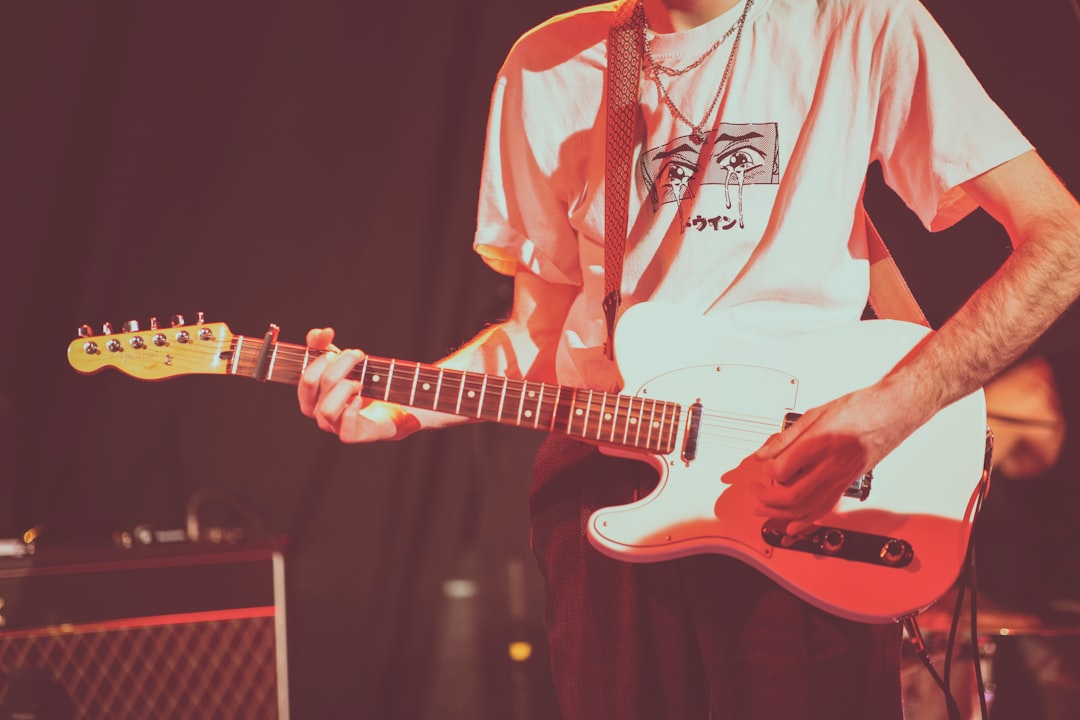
<point x="656" y="424"/>
<point x="579" y="412"/>
<point x="532" y="393"/>
<point x="528" y="413"/>
<point x="375" y="378"/>
<point x="471" y="393"/>
<point x="426" y="386"/>
<point x="607" y="416"/>
<point x="633" y="421"/>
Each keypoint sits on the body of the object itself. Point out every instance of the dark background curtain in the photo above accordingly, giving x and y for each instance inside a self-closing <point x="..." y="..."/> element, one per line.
<point x="316" y="163"/>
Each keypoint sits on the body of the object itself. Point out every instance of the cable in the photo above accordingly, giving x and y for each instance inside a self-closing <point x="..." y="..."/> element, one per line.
<point x="967" y="580"/>
<point x="919" y="645"/>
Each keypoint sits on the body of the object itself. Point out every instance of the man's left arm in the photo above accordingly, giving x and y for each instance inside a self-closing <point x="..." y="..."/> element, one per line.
<point x="800" y="474"/>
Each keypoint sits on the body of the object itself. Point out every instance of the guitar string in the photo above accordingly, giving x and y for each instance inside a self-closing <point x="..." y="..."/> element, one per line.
<point x="710" y="421"/>
<point x="714" y="427"/>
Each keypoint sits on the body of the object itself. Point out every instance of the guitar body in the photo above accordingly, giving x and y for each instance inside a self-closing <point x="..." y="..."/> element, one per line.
<point x="924" y="493"/>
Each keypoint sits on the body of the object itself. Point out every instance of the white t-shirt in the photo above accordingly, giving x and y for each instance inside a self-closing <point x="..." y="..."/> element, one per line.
<point x="818" y="91"/>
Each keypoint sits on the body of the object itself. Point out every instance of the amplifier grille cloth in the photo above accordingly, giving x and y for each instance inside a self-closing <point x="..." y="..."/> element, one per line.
<point x="216" y="669"/>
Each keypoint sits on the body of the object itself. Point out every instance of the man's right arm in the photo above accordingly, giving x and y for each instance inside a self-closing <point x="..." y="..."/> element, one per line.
<point x="523" y="345"/>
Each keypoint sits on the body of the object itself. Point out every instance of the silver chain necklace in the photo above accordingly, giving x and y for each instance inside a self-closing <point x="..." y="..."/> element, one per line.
<point x="655" y="70"/>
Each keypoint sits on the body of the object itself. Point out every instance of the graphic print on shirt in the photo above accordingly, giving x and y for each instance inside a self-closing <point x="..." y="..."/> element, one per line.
<point x="738" y="155"/>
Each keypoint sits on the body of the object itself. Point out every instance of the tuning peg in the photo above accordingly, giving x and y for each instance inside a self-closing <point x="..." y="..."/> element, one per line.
<point x="176" y="320"/>
<point x="84" y="331"/>
<point x="130" y="326"/>
<point x="200" y="318"/>
<point x="153" y="323"/>
<point x="106" y="329"/>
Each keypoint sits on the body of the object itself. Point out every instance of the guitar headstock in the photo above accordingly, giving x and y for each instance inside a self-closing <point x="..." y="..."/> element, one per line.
<point x="155" y="353"/>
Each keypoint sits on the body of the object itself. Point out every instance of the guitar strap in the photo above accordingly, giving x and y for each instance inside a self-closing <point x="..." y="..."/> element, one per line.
<point x="626" y="38"/>
<point x="890" y="296"/>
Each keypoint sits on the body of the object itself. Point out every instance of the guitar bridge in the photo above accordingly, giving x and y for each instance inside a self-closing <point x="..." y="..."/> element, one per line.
<point x="860" y="488"/>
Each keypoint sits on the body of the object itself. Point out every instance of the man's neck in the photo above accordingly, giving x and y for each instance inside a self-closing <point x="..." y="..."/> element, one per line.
<point x="666" y="16"/>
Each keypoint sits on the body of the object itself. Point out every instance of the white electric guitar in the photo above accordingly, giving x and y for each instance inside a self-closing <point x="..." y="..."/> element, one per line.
<point x="703" y="401"/>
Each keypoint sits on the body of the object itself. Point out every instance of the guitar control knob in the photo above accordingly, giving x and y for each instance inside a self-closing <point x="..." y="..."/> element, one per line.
<point x="106" y="329"/>
<point x="114" y="345"/>
<point x="130" y="326"/>
<point x="183" y="337"/>
<point x="84" y="331"/>
<point x="831" y="541"/>
<point x="176" y="320"/>
<point x="160" y="339"/>
<point x="895" y="552"/>
<point x="90" y="348"/>
<point x="138" y="343"/>
<point x="206" y="334"/>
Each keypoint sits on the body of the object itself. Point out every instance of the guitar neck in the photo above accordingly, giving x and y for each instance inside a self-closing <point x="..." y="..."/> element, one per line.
<point x="592" y="415"/>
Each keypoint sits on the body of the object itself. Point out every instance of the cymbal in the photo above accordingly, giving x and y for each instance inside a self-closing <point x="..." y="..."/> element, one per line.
<point x="993" y="619"/>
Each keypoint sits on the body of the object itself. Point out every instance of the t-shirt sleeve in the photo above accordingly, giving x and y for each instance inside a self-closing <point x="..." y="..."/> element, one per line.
<point x="936" y="127"/>
<point x="522" y="220"/>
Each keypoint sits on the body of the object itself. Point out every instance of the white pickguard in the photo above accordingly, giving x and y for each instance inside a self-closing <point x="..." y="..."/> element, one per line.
<point x="924" y="492"/>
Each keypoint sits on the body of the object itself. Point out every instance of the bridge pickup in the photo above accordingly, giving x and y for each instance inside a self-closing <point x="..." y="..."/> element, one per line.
<point x="847" y="544"/>
<point x="693" y="427"/>
<point x="860" y="488"/>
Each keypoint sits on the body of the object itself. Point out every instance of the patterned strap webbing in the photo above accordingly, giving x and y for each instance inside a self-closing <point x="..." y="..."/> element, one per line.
<point x="625" y="47"/>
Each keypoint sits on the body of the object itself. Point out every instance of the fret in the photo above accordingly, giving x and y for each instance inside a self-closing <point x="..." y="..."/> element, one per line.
<point x="555" y="406"/>
<point x="389" y="379"/>
<point x="502" y="400"/>
<point x="521" y="399"/>
<point x="460" y="393"/>
<point x="574" y="412"/>
<point x="562" y="410"/>
<point x="633" y="420"/>
<point x="587" y="418"/>
<point x="446" y="399"/>
<point x="363" y="377"/>
<point x="304" y="362"/>
<point x="588" y="413"/>
<point x="412" y="391"/>
<point x="603" y="415"/>
<point x="665" y="427"/>
<point x="539" y="406"/>
<point x="652" y="416"/>
<point x="672" y="425"/>
<point x="438" y="389"/>
<point x="658" y="425"/>
<point x="483" y="392"/>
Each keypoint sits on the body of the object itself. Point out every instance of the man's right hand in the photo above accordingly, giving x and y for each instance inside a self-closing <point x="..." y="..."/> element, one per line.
<point x="327" y="394"/>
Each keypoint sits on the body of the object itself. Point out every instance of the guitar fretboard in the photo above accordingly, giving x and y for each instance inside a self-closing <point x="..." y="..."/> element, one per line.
<point x="592" y="415"/>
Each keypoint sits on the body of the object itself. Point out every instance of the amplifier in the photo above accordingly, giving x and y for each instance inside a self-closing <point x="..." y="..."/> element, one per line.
<point x="178" y="630"/>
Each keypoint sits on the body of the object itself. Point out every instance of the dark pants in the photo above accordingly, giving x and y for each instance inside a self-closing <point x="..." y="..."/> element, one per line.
<point x="680" y="638"/>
